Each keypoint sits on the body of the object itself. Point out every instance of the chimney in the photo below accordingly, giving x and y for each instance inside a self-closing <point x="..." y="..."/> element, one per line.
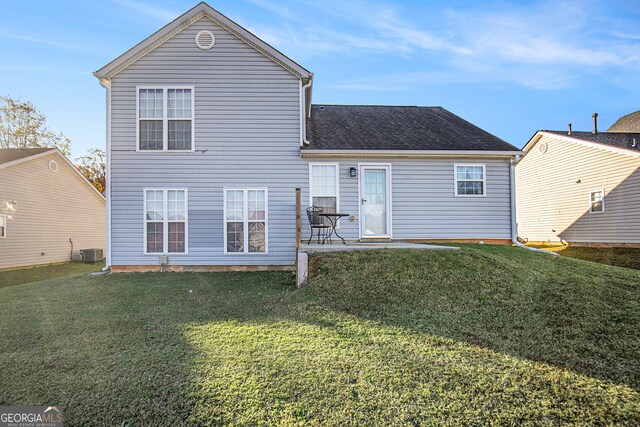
<point x="595" y="122"/>
<point x="570" y="132"/>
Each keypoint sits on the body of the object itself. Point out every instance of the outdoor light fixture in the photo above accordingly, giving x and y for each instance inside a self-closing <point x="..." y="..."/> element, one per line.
<point x="353" y="172"/>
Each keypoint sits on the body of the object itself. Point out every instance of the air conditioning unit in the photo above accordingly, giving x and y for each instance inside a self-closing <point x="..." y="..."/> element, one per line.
<point x="92" y="255"/>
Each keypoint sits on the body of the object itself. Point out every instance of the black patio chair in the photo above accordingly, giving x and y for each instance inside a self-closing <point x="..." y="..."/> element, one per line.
<point x="317" y="222"/>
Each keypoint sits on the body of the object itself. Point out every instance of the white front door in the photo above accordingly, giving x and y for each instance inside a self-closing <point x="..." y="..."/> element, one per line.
<point x="375" y="201"/>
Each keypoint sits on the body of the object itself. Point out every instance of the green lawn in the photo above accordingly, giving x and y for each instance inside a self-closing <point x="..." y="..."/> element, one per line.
<point x="35" y="274"/>
<point x="621" y="257"/>
<point x="483" y="336"/>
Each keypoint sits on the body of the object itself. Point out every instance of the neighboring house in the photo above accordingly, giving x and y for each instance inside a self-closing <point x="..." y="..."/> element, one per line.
<point x="210" y="130"/>
<point x="582" y="188"/>
<point x="48" y="210"/>
<point x="628" y="123"/>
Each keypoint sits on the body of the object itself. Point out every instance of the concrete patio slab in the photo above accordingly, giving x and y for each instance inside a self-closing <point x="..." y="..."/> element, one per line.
<point x="364" y="246"/>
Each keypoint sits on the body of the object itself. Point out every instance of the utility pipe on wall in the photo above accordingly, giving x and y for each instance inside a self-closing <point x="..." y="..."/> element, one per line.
<point x="514" y="230"/>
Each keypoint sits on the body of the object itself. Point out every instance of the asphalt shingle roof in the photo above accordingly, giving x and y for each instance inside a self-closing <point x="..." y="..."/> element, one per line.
<point x="366" y="127"/>
<point x="11" y="154"/>
<point x="614" y="139"/>
<point x="628" y="123"/>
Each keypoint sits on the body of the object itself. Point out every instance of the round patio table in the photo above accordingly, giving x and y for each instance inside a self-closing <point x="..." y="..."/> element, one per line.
<point x="333" y="219"/>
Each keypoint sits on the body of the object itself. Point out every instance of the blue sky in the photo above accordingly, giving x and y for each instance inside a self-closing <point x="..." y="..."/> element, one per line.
<point x="508" y="67"/>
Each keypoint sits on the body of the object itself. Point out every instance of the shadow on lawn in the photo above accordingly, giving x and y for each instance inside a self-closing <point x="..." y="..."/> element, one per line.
<point x="577" y="317"/>
<point x="424" y="343"/>
<point x="245" y="349"/>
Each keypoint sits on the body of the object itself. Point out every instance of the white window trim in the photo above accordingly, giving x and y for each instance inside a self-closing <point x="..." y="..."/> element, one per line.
<point x="165" y="119"/>
<point x="311" y="191"/>
<point x="165" y="221"/>
<point x="4" y="221"/>
<point x="245" y="222"/>
<point x="604" y="207"/>
<point x="484" y="180"/>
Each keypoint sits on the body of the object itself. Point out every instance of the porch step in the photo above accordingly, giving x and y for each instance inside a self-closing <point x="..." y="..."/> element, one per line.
<point x="378" y="240"/>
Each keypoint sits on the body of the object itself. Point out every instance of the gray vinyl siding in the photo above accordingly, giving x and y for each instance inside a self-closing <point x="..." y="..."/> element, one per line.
<point x="51" y="208"/>
<point x="423" y="201"/>
<point x="552" y="205"/>
<point x="247" y="117"/>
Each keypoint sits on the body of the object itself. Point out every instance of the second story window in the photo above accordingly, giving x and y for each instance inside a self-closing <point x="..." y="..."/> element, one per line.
<point x="165" y="119"/>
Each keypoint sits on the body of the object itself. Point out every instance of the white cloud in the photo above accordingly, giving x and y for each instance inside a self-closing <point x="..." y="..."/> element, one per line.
<point x="545" y="44"/>
<point x="44" y="41"/>
<point x="148" y="10"/>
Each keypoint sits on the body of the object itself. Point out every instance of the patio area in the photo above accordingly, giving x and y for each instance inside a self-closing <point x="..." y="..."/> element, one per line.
<point x="368" y="246"/>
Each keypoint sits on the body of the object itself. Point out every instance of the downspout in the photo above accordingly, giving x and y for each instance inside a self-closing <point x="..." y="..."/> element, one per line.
<point x="106" y="83"/>
<point x="514" y="229"/>
<point x="303" y="107"/>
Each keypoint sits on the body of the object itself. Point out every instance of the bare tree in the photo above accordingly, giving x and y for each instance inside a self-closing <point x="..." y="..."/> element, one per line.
<point x="93" y="166"/>
<point x="23" y="126"/>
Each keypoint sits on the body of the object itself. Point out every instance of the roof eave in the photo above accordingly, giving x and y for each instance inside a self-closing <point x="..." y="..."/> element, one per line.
<point x="598" y="145"/>
<point x="408" y="154"/>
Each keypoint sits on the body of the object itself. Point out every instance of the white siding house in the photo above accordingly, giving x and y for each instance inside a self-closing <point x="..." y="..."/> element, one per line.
<point x="582" y="188"/>
<point x="210" y="130"/>
<point x="48" y="210"/>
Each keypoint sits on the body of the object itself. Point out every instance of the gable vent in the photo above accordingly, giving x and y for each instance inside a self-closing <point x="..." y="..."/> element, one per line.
<point x="205" y="40"/>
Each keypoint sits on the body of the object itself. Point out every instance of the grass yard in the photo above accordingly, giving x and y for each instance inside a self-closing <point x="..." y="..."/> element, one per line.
<point x="483" y="336"/>
<point x="18" y="276"/>
<point x="620" y="257"/>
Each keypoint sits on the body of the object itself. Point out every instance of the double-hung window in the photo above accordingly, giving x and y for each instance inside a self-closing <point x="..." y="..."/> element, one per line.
<point x="165" y="221"/>
<point x="165" y="119"/>
<point x="596" y="199"/>
<point x="470" y="180"/>
<point x="245" y="221"/>
<point x="3" y="226"/>
<point x="323" y="186"/>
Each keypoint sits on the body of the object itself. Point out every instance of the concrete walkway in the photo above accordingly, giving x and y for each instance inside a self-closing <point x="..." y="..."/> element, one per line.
<point x="364" y="246"/>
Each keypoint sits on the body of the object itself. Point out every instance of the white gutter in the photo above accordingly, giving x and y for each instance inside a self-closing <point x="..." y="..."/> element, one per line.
<point x="514" y="229"/>
<point x="303" y="108"/>
<point x="106" y="83"/>
<point x="409" y="153"/>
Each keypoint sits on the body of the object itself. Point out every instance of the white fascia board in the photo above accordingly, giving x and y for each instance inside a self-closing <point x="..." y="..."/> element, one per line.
<point x="312" y="153"/>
